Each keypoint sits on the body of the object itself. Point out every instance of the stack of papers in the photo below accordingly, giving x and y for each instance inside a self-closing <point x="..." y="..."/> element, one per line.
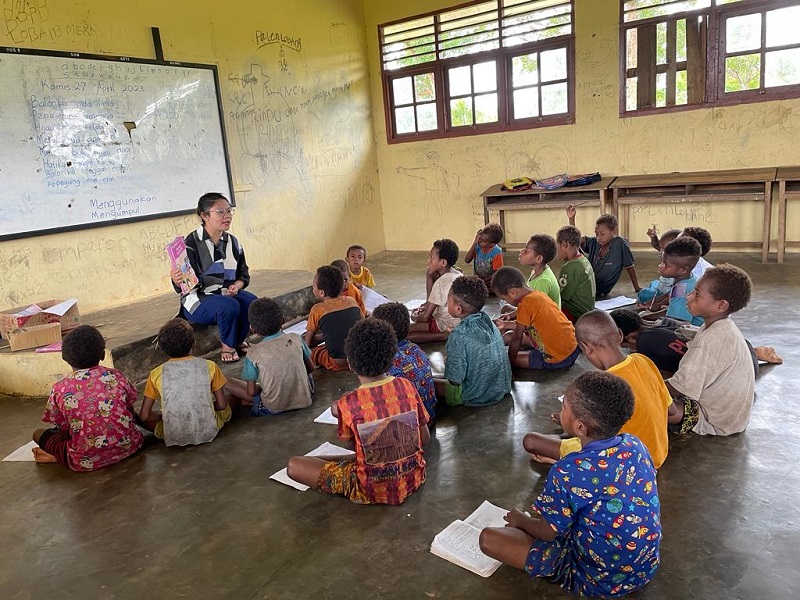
<point x="323" y="450"/>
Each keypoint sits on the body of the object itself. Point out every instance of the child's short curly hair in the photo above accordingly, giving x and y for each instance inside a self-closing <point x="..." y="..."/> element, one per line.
<point x="342" y="266"/>
<point x="601" y="400"/>
<point x="506" y="278"/>
<point x="627" y="321"/>
<point x="447" y="250"/>
<point x="83" y="347"/>
<point x="396" y="314"/>
<point x="493" y="232"/>
<point x="570" y="235"/>
<point x="470" y="292"/>
<point x="544" y="245"/>
<point x="176" y="338"/>
<point x="683" y="251"/>
<point x="356" y="247"/>
<point x="608" y="220"/>
<point x="703" y="236"/>
<point x="370" y="347"/>
<point x="265" y="316"/>
<point x="729" y="282"/>
<point x="330" y="280"/>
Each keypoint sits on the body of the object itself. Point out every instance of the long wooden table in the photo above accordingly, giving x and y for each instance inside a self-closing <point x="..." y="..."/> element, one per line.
<point x="740" y="185"/>
<point x="788" y="189"/>
<point x="497" y="199"/>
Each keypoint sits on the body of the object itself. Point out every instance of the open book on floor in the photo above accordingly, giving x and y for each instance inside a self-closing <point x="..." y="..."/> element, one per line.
<point x="458" y="543"/>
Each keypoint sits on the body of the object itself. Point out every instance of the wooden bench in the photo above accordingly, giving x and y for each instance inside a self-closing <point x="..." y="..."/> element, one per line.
<point x="741" y="185"/>
<point x="788" y="189"/>
<point x="497" y="199"/>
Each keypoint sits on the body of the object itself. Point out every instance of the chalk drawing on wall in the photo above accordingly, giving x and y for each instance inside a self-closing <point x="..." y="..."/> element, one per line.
<point x="439" y="184"/>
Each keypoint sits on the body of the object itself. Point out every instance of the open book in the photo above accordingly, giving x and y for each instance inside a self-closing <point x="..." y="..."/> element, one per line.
<point x="458" y="543"/>
<point x="176" y="250"/>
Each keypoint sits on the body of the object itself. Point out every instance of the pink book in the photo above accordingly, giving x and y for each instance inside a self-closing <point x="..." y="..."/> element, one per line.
<point x="176" y="250"/>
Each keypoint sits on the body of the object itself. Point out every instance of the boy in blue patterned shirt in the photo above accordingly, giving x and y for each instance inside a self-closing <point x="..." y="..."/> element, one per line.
<point x="486" y="253"/>
<point x="476" y="371"/>
<point x="596" y="526"/>
<point x="409" y="362"/>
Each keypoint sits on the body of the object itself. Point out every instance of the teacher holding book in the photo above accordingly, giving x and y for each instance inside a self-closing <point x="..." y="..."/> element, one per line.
<point x="218" y="261"/>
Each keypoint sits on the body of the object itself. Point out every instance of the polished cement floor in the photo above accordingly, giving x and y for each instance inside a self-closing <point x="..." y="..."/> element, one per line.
<point x="206" y="522"/>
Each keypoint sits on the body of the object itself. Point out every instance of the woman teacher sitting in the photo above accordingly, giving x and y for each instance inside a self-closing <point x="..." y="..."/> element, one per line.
<point x="218" y="260"/>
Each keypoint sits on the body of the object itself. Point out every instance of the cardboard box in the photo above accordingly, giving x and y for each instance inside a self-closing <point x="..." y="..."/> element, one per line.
<point x="33" y="336"/>
<point x="63" y="312"/>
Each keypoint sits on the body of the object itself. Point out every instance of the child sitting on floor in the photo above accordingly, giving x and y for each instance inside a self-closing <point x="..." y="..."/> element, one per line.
<point x="600" y="341"/>
<point x="659" y="241"/>
<point x="576" y="278"/>
<point x="409" y="360"/>
<point x="662" y="345"/>
<point x="553" y="336"/>
<point x="595" y="529"/>
<point x="677" y="261"/>
<point x="333" y="317"/>
<point x="703" y="237"/>
<point x="190" y="391"/>
<point x="476" y="371"/>
<point x="713" y="387"/>
<point x="540" y="250"/>
<point x="607" y="253"/>
<point x="432" y="321"/>
<point x="384" y="419"/>
<point x="359" y="274"/>
<point x="91" y="408"/>
<point x="488" y="256"/>
<point x="277" y="370"/>
<point x="349" y="288"/>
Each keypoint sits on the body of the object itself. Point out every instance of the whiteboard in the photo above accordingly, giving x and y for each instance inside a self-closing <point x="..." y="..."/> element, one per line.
<point x="88" y="141"/>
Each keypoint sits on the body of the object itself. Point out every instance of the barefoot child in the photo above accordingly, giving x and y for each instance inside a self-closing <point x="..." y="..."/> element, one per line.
<point x="486" y="253"/>
<point x="91" y="408"/>
<point x="595" y="529"/>
<point x="432" y="321"/>
<point x="384" y="420"/>
<point x="359" y="274"/>
<point x="189" y="390"/>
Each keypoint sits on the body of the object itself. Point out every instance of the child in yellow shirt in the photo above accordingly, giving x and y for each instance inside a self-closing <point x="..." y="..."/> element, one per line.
<point x="359" y="274"/>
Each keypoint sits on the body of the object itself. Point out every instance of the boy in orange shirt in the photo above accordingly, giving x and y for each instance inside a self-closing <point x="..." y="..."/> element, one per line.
<point x="600" y="341"/>
<point x="553" y="336"/>
<point x="350" y="288"/>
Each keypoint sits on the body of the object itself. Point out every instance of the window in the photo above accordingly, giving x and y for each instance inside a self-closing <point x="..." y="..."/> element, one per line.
<point x="478" y="68"/>
<point x="708" y="52"/>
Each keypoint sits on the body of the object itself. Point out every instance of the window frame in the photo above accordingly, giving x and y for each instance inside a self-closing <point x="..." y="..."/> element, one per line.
<point x="713" y="94"/>
<point x="502" y="56"/>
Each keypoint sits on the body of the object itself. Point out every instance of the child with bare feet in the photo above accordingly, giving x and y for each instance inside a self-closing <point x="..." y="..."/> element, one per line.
<point x="91" y="408"/>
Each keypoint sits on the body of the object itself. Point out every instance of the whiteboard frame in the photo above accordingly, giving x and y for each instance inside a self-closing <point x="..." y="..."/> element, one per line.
<point x="126" y="59"/>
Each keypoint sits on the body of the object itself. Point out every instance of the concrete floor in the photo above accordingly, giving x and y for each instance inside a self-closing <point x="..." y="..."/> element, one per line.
<point x="206" y="522"/>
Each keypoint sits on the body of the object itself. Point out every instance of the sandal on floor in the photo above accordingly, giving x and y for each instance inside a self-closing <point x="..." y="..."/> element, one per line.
<point x="243" y="347"/>
<point x="229" y="356"/>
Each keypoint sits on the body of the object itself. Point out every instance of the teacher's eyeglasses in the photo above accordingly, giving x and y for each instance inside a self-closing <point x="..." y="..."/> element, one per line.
<point x="223" y="211"/>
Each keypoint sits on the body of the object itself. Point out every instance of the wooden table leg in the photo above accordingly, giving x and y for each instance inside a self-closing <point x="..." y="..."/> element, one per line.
<point x="767" y="222"/>
<point x="781" y="220"/>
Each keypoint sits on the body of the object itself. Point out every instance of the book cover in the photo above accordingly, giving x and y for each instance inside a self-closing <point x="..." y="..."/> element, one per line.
<point x="176" y="250"/>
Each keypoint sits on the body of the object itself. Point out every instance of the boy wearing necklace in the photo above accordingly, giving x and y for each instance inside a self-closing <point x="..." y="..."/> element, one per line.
<point x="576" y="277"/>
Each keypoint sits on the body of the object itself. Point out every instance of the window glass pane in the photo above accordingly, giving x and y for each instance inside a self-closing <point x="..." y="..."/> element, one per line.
<point x="680" y="40"/>
<point x="401" y="91"/>
<point x="661" y="43"/>
<point x="524" y="70"/>
<point x="404" y="119"/>
<point x="782" y="68"/>
<point x="742" y="72"/>
<point x="485" y="76"/>
<point x="486" y="108"/>
<point x="661" y="89"/>
<point x="526" y="103"/>
<point x="424" y="87"/>
<point x="553" y="64"/>
<point x="681" y="89"/>
<point x="783" y="26"/>
<point x="426" y="117"/>
<point x="630" y="48"/>
<point x="460" y="81"/>
<point x="636" y="10"/>
<point x="554" y="99"/>
<point x="461" y="112"/>
<point x="630" y="93"/>
<point x="479" y="46"/>
<point x="743" y="33"/>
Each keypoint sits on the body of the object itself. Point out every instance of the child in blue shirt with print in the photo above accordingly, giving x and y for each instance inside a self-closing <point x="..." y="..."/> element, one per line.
<point x="488" y="256"/>
<point x="677" y="261"/>
<point x="477" y="371"/>
<point x="595" y="529"/>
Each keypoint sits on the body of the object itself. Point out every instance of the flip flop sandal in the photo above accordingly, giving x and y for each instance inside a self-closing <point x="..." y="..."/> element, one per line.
<point x="227" y="356"/>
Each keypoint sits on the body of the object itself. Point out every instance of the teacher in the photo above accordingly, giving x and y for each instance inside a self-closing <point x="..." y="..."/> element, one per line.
<point x="218" y="260"/>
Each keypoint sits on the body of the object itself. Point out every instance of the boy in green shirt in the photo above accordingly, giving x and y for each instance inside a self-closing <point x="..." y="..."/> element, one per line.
<point x="576" y="277"/>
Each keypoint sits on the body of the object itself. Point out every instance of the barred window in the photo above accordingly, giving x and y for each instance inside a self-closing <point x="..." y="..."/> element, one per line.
<point x="478" y="68"/>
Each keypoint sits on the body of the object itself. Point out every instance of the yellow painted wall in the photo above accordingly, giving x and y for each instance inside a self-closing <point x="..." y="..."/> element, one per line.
<point x="441" y="196"/>
<point x="309" y="168"/>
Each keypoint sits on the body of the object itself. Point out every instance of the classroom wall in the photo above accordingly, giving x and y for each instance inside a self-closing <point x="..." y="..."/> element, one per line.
<point x="299" y="131"/>
<point x="432" y="189"/>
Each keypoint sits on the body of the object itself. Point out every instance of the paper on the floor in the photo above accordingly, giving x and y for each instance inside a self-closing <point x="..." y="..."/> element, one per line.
<point x="324" y="449"/>
<point x="298" y="328"/>
<point x="372" y="299"/>
<point x="613" y="303"/>
<point x="327" y="418"/>
<point x="415" y="303"/>
<point x="23" y="453"/>
<point x="458" y="542"/>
